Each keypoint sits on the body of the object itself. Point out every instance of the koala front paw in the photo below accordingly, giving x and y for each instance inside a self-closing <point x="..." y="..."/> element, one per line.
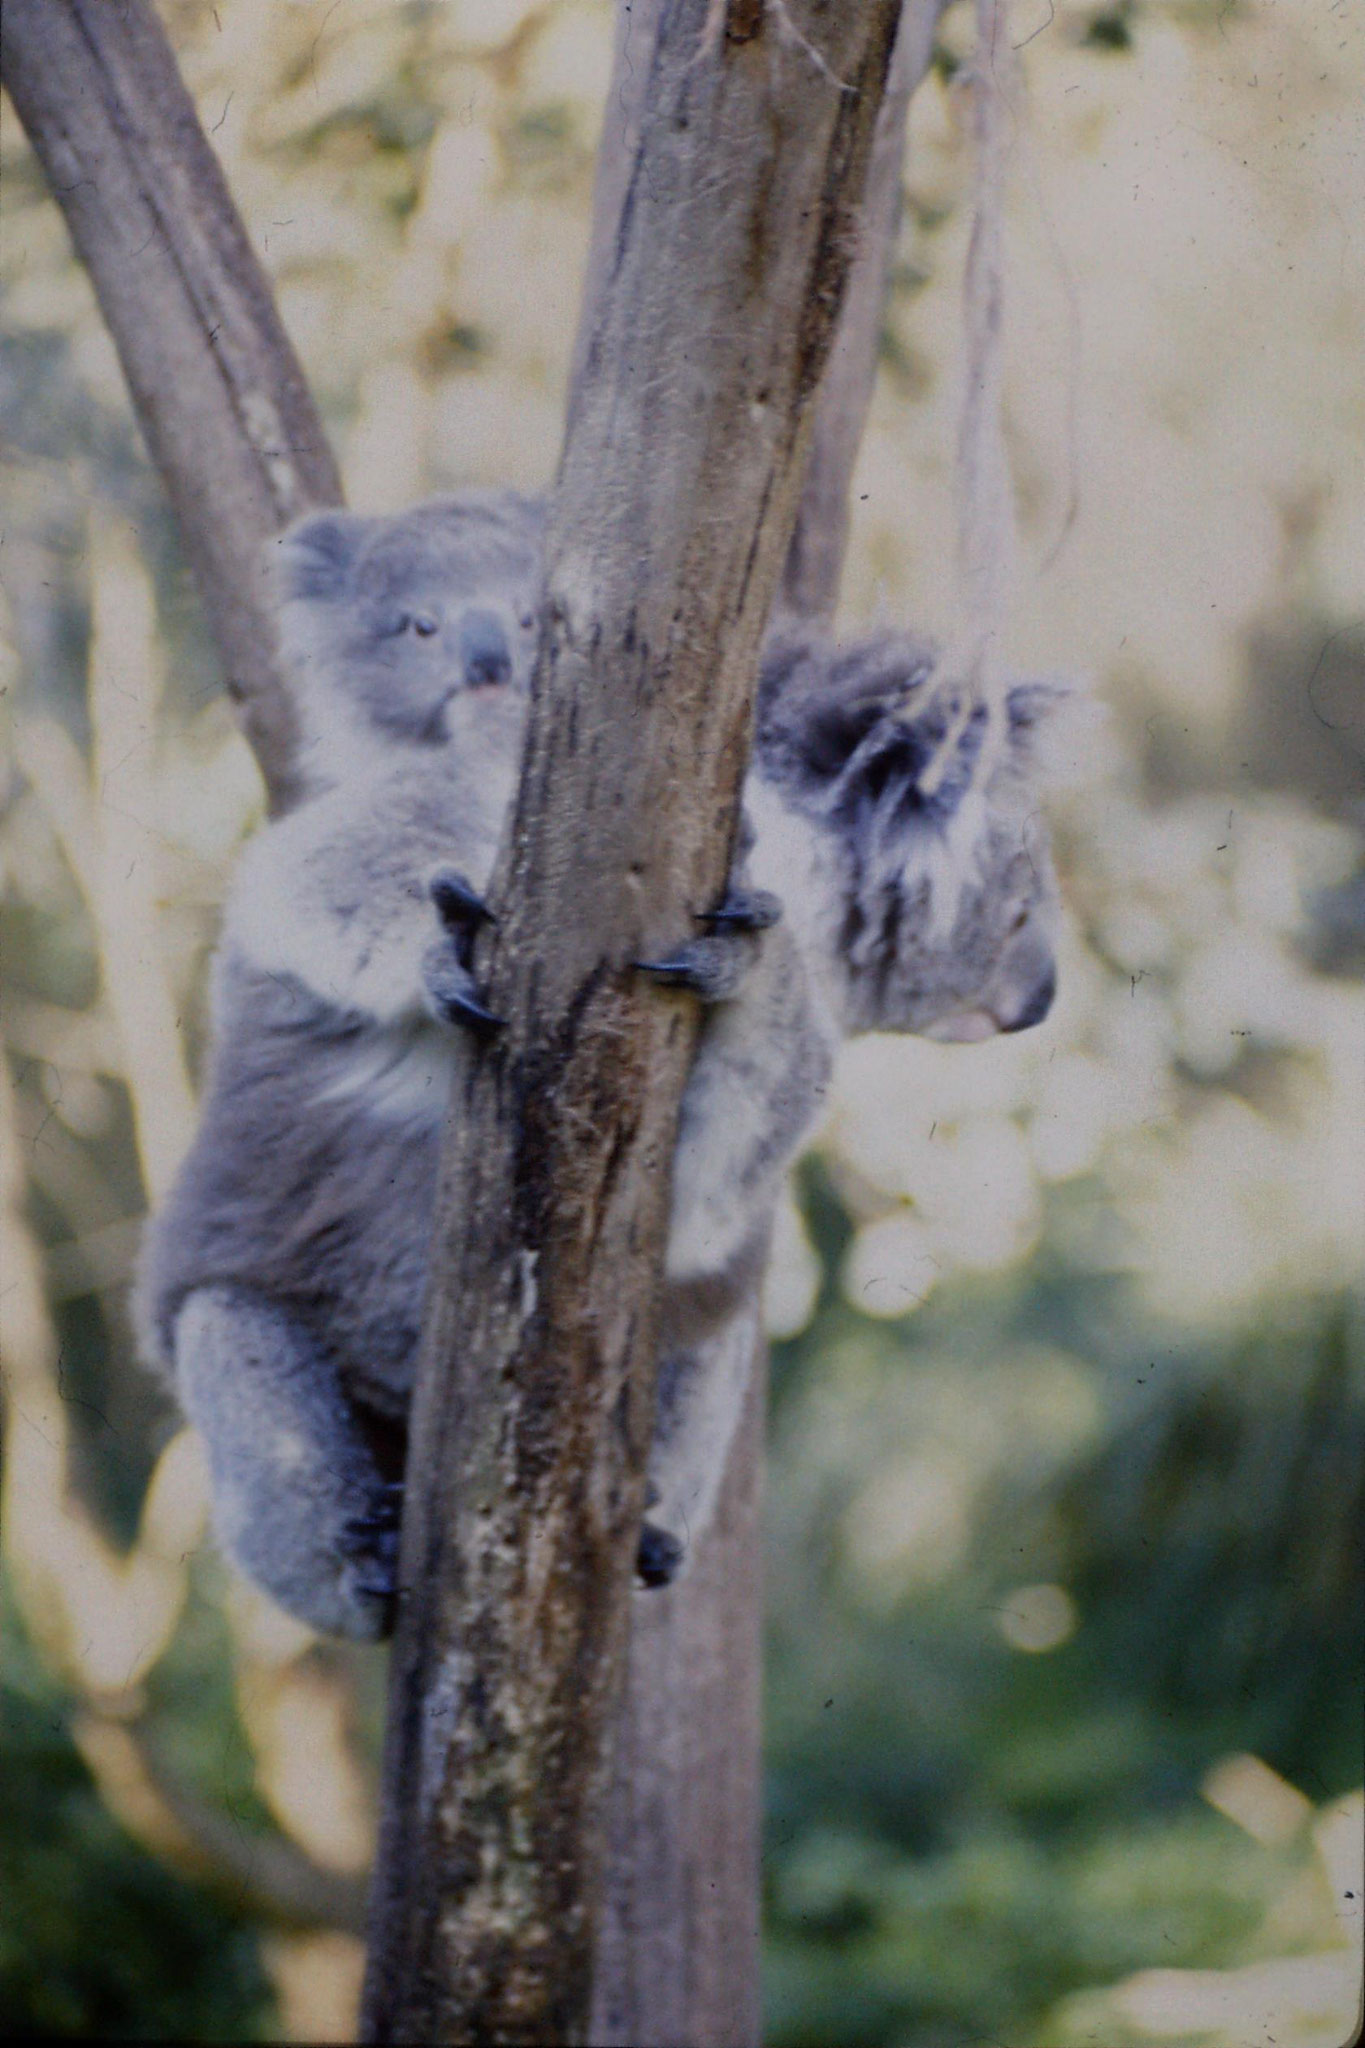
<point x="459" y="905"/>
<point x="714" y="968"/>
<point x="450" y="987"/>
<point x="659" y="1557"/>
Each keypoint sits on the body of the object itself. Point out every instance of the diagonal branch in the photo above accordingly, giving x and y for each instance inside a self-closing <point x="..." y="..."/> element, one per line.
<point x="815" y="559"/>
<point x="218" y="392"/>
<point x="672" y="513"/>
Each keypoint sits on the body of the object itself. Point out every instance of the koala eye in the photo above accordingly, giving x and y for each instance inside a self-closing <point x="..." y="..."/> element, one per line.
<point x="526" y="621"/>
<point x="1018" y="922"/>
<point x="423" y="624"/>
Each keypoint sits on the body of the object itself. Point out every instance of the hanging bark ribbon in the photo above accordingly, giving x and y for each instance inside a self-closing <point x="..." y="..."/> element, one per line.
<point x="967" y="674"/>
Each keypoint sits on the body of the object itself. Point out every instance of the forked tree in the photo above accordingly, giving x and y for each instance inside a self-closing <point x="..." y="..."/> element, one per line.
<point x="568" y="1843"/>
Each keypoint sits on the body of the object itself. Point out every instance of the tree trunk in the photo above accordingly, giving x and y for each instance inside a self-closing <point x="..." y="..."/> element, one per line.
<point x="671" y="518"/>
<point x="231" y="427"/>
<point x="678" y="1945"/>
<point x="218" y="391"/>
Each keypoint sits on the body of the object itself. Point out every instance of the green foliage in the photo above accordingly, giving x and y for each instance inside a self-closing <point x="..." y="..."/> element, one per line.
<point x="97" y="1939"/>
<point x="961" y="1833"/>
<point x="1111" y="28"/>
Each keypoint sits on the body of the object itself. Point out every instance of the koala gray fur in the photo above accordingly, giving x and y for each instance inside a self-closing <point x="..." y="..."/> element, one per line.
<point x="281" y="1285"/>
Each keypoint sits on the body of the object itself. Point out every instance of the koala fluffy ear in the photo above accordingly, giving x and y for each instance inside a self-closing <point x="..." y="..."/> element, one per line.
<point x="315" y="556"/>
<point x="1059" y="733"/>
<point x="1031" y="703"/>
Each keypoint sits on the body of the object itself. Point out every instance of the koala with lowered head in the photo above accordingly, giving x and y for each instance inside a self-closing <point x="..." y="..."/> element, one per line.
<point x="281" y="1286"/>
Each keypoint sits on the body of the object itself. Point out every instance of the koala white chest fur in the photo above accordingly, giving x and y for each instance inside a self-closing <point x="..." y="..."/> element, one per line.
<point x="281" y="1286"/>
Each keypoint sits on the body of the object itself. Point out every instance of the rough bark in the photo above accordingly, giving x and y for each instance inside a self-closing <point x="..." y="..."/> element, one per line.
<point x="218" y="392"/>
<point x="678" y="1946"/>
<point x="671" y="517"/>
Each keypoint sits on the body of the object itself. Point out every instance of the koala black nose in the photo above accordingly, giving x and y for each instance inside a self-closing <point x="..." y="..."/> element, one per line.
<point x="1037" y="1006"/>
<point x="484" y="649"/>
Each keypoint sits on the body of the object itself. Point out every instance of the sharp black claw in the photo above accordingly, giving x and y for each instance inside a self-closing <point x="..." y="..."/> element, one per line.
<point x="382" y="1589"/>
<point x="681" y="972"/>
<point x="372" y="1537"/>
<point x="459" y="902"/>
<point x="375" y="1523"/>
<point x="464" y="1010"/>
<point x="746" y="910"/>
<point x="659" y="1556"/>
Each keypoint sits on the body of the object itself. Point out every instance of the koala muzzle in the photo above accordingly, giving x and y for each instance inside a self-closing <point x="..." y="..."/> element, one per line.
<point x="484" y="650"/>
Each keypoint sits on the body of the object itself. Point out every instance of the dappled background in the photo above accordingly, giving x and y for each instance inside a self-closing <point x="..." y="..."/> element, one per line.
<point x="1064" y="1678"/>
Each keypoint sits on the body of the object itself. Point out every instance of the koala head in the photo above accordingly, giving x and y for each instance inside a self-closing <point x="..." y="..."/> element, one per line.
<point x="388" y="623"/>
<point x="948" y="900"/>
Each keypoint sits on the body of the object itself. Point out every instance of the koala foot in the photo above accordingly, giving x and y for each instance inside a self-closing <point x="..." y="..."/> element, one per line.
<point x="446" y="963"/>
<point x="714" y="967"/>
<point x="659" y="1557"/>
<point x="299" y="1503"/>
<point x="370" y="1543"/>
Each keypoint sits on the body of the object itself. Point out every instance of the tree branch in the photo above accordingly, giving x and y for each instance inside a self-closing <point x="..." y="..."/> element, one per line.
<point x="672" y="513"/>
<point x="268" y="1873"/>
<point x="815" y="559"/>
<point x="218" y="392"/>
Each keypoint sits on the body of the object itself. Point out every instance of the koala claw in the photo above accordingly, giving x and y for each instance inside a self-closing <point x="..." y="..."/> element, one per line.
<point x="715" y="966"/>
<point x="458" y="902"/>
<point x="378" y="1587"/>
<point x="369" y="1542"/>
<point x="358" y="1530"/>
<point x="679" y="971"/>
<point x="450" y="989"/>
<point x="659" y="1557"/>
<point x="712" y="968"/>
<point x="464" y="1010"/>
<point x="745" y="910"/>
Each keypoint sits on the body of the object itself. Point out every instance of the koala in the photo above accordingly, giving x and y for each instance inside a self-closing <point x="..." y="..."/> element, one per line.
<point x="891" y="875"/>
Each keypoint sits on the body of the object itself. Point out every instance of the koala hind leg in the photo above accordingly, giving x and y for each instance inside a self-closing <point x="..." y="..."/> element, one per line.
<point x="700" y="1401"/>
<point x="299" y="1501"/>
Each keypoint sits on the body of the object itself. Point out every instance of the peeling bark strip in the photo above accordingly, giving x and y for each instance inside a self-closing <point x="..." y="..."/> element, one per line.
<point x="219" y="395"/>
<point x="673" y="510"/>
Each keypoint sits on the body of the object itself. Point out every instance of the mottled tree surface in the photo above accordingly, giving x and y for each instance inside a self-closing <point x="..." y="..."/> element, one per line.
<point x="674" y="508"/>
<point x="678" y="1947"/>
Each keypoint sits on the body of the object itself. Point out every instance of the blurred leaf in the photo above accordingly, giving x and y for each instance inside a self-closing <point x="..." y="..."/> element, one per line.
<point x="97" y="1939"/>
